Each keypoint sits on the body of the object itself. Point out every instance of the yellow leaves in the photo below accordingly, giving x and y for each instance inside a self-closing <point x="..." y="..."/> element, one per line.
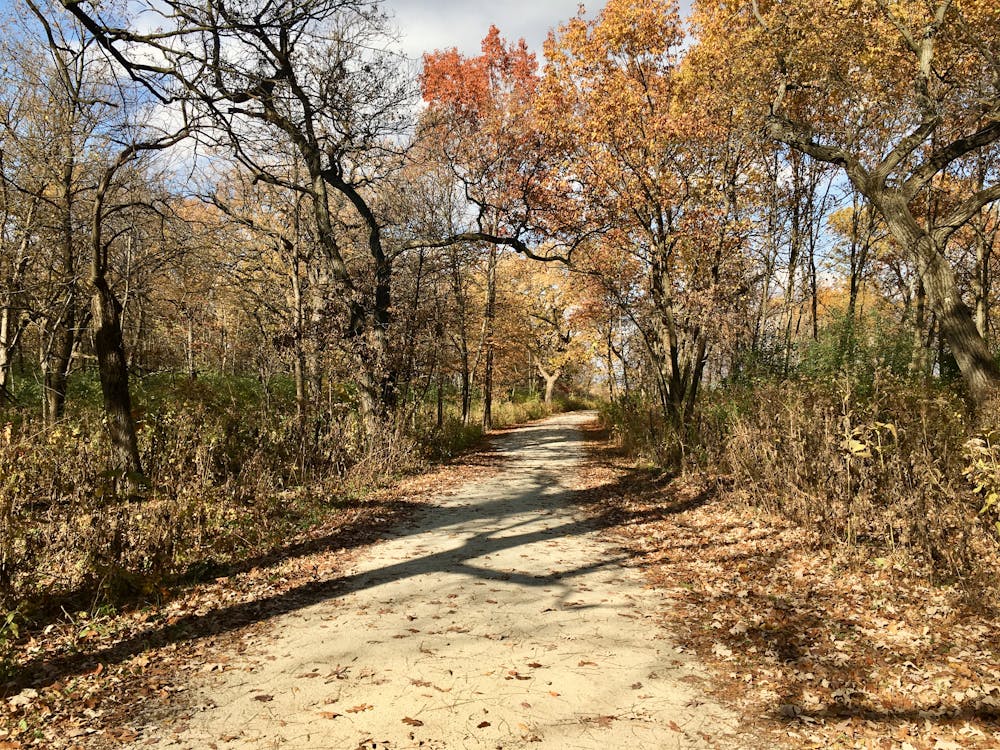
<point x="862" y="50"/>
<point x="982" y="470"/>
<point x="869" y="441"/>
<point x="856" y="448"/>
<point x="634" y="28"/>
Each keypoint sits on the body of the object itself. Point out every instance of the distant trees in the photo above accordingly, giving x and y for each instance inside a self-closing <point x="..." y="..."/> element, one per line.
<point x="72" y="197"/>
<point x="652" y="177"/>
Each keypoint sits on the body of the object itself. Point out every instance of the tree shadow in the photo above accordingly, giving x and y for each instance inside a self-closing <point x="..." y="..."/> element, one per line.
<point x="490" y="517"/>
<point x="345" y="537"/>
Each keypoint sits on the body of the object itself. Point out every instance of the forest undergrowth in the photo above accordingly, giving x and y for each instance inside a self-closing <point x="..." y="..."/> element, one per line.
<point x="830" y="550"/>
<point x="235" y="491"/>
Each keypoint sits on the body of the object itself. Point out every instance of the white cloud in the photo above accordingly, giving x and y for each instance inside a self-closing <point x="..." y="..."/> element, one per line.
<point x="427" y="25"/>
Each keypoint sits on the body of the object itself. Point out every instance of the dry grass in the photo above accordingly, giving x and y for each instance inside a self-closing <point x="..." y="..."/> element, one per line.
<point x="817" y="645"/>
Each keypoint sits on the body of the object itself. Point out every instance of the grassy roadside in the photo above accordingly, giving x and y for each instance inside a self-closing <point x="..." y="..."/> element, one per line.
<point x="816" y="647"/>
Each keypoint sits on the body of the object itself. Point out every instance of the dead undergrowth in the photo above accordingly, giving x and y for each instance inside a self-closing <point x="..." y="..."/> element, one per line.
<point x="817" y="646"/>
<point x="81" y="681"/>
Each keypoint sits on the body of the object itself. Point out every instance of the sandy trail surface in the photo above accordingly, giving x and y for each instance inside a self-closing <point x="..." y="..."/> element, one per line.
<point x="498" y="618"/>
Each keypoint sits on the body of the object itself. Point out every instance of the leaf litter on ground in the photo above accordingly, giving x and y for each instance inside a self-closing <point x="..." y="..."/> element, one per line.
<point x="94" y="681"/>
<point x="817" y="646"/>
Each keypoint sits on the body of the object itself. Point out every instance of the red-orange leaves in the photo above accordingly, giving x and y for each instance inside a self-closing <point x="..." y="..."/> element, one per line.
<point x="480" y="87"/>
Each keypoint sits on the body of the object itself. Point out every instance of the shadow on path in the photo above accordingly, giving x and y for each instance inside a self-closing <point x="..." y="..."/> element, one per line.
<point x="488" y="516"/>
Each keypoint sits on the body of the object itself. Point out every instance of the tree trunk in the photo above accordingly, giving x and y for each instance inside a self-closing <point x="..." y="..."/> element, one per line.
<point x="299" y="354"/>
<point x="794" y="247"/>
<point x="7" y="343"/>
<point x="113" y="368"/>
<point x="975" y="361"/>
<point x="13" y="319"/>
<point x="609" y="356"/>
<point x="550" y="382"/>
<point x="440" y="398"/>
<point x="301" y="399"/>
<point x="466" y="386"/>
<point x="979" y="370"/>
<point x="192" y="373"/>
<point x="61" y="328"/>
<point x="490" y="317"/>
<point x="981" y="285"/>
<point x="925" y="244"/>
<point x="56" y="369"/>
<point x="379" y="395"/>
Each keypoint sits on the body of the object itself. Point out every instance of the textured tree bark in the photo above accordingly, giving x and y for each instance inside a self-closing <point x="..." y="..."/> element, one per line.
<point x="56" y="365"/>
<point x="550" y="382"/>
<point x="958" y="328"/>
<point x="61" y="328"/>
<point x="920" y="359"/>
<point x="7" y="343"/>
<point x="924" y="245"/>
<point x="489" y="320"/>
<point x="13" y="319"/>
<point x="113" y="367"/>
<point x="982" y="287"/>
<point x="379" y="381"/>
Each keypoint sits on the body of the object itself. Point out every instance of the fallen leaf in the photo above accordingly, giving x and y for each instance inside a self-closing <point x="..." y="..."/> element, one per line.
<point x="482" y="725"/>
<point x="413" y="722"/>
<point x="360" y="708"/>
<point x="329" y="714"/>
<point x="720" y="649"/>
<point x="263" y="698"/>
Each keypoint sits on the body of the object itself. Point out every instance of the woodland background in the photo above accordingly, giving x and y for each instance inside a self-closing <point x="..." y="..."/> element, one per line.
<point x="255" y="264"/>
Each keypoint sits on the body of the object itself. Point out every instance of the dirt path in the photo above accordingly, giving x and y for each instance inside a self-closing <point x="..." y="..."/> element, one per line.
<point x="497" y="619"/>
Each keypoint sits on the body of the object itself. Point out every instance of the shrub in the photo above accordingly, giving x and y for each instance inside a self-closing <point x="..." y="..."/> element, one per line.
<point x="892" y="466"/>
<point x="228" y="477"/>
<point x="885" y="469"/>
<point x="859" y="349"/>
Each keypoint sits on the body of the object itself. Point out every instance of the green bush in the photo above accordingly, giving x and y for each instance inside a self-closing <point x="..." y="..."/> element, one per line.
<point x="857" y="349"/>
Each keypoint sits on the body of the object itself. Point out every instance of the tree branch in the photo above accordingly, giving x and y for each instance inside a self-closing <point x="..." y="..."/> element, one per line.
<point x="945" y="155"/>
<point x="962" y="213"/>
